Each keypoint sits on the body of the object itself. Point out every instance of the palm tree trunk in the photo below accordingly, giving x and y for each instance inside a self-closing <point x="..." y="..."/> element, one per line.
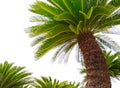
<point x="95" y="63"/>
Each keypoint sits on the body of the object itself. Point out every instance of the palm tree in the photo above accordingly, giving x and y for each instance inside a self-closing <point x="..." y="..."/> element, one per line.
<point x="45" y="82"/>
<point x="13" y="76"/>
<point x="66" y="23"/>
<point x="113" y="61"/>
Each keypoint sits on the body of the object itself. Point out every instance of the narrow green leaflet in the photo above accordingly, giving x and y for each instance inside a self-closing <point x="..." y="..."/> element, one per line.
<point x="67" y="17"/>
<point x="88" y="15"/>
<point x="53" y="42"/>
<point x="74" y="29"/>
<point x="99" y="10"/>
<point x="61" y="28"/>
<point x="44" y="9"/>
<point x="108" y="42"/>
<point x="40" y="29"/>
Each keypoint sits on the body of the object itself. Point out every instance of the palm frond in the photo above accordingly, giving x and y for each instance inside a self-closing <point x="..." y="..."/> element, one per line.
<point x="38" y="40"/>
<point x="13" y="76"/>
<point x="48" y="44"/>
<point x="115" y="3"/>
<point x="58" y="29"/>
<point x="41" y="29"/>
<point x="39" y="19"/>
<point x="113" y="30"/>
<point x="70" y="7"/>
<point x="64" y="50"/>
<point x="44" y="9"/>
<point x="108" y="42"/>
<point x="45" y="82"/>
<point x="67" y="17"/>
<point x="98" y="12"/>
<point x="113" y="61"/>
<point x="112" y="20"/>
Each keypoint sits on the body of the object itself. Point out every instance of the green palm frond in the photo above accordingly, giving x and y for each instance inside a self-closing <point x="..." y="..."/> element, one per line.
<point x="45" y="82"/>
<point x="13" y="76"/>
<point x="44" y="9"/>
<point x="58" y="29"/>
<point x="115" y="3"/>
<point x="51" y="43"/>
<point x="41" y="29"/>
<point x="113" y="20"/>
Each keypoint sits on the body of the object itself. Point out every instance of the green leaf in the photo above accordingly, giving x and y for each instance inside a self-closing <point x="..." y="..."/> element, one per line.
<point x="59" y="4"/>
<point x="112" y="20"/>
<point x="74" y="29"/>
<point x="60" y="28"/>
<point x="40" y="29"/>
<point x="99" y="10"/>
<point x="88" y="15"/>
<point x="37" y="40"/>
<point x="53" y="42"/>
<point x="115" y="3"/>
<point x="108" y="42"/>
<point x="44" y="9"/>
<point x="67" y="17"/>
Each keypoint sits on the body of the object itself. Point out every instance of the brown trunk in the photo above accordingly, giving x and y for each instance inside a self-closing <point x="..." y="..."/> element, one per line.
<point x="96" y="66"/>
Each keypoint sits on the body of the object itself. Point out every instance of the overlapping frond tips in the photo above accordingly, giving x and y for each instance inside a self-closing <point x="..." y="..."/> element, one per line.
<point x="58" y="29"/>
<point x="112" y="20"/>
<point x="41" y="29"/>
<point x="44" y="9"/>
<point x="48" y="82"/>
<point x="108" y="42"/>
<point x="13" y="76"/>
<point x="115" y="3"/>
<point x="64" y="50"/>
<point x="48" y="44"/>
<point x="113" y="30"/>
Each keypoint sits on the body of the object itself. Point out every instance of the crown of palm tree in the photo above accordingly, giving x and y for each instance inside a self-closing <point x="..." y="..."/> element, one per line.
<point x="13" y="76"/>
<point x="61" y="21"/>
<point x="45" y="82"/>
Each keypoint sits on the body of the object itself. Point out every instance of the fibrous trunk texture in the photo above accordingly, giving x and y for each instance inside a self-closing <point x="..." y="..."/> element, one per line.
<point x="94" y="60"/>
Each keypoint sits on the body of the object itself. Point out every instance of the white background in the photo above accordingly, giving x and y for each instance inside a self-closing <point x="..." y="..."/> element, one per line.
<point x="15" y="44"/>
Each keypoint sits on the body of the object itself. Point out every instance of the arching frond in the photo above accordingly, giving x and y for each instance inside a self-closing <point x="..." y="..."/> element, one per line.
<point x="41" y="29"/>
<point x="58" y="29"/>
<point x="98" y="12"/>
<point x="115" y="3"/>
<point x="13" y="76"/>
<point x="108" y="42"/>
<point x="51" y="43"/>
<point x="113" y="30"/>
<point x="64" y="51"/>
<point x="38" y="40"/>
<point x="44" y="9"/>
<point x="67" y="17"/>
<point x="45" y="82"/>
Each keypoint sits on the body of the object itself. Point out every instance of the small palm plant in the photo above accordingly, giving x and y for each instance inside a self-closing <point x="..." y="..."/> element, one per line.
<point x="113" y="61"/>
<point x="66" y="23"/>
<point x="13" y="76"/>
<point x="45" y="82"/>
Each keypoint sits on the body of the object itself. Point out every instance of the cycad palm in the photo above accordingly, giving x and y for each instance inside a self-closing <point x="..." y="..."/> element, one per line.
<point x="50" y="83"/>
<point x="13" y="76"/>
<point x="65" y="23"/>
